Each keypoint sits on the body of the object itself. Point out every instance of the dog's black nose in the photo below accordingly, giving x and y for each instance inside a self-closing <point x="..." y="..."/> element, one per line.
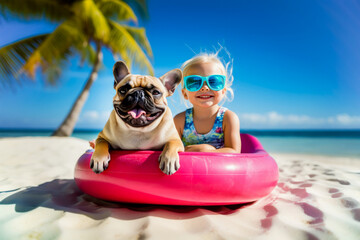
<point x="138" y="95"/>
<point x="141" y="94"/>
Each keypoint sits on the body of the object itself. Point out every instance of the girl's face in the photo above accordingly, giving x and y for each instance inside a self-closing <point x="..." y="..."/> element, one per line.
<point x="205" y="97"/>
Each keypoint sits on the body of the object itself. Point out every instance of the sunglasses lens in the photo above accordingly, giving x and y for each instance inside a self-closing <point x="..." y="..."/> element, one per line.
<point x="193" y="83"/>
<point x="216" y="82"/>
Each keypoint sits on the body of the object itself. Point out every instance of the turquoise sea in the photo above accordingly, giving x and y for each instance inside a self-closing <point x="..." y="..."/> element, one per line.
<point x="321" y="142"/>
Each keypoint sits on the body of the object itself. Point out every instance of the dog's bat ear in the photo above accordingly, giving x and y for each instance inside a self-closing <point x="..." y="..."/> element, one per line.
<point x="120" y="71"/>
<point x="171" y="80"/>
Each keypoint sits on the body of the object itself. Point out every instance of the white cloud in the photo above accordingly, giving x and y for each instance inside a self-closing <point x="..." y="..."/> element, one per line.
<point x="253" y="117"/>
<point x="93" y="117"/>
<point x="275" y="119"/>
<point x="347" y="119"/>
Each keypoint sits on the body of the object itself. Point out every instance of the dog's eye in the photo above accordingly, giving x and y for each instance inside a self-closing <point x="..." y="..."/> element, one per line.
<point x="123" y="90"/>
<point x="156" y="92"/>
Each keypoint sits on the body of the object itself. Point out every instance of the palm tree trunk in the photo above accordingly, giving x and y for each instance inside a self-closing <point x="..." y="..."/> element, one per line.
<point x="67" y="126"/>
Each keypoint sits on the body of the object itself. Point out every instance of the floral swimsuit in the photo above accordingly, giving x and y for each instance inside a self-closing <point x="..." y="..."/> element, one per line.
<point x="215" y="137"/>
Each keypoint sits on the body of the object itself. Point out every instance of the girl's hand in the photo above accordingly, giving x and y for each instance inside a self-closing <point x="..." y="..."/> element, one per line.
<point x="199" y="148"/>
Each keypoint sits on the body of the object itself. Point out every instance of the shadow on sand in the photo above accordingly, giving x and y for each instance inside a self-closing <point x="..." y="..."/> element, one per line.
<point x="64" y="195"/>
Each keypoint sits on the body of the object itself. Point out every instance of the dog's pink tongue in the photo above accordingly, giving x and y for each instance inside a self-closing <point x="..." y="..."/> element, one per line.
<point x="136" y="113"/>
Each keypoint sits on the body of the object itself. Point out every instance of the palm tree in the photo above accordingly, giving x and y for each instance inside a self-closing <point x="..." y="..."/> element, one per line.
<point x="85" y="28"/>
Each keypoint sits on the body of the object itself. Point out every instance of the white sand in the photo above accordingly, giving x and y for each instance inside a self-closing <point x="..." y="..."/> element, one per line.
<point x="317" y="198"/>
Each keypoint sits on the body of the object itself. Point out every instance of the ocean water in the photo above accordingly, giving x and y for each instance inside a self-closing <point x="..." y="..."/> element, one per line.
<point x="344" y="143"/>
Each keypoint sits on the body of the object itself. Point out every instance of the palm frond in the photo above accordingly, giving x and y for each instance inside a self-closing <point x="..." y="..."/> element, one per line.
<point x="55" y="48"/>
<point x="140" y="6"/>
<point x="91" y="20"/>
<point x="14" y="56"/>
<point x="139" y="35"/>
<point x="122" y="54"/>
<point x="116" y="10"/>
<point x="121" y="39"/>
<point x="36" y="9"/>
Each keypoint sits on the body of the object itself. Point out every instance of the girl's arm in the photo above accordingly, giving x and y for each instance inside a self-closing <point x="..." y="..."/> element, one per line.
<point x="179" y="121"/>
<point x="231" y="127"/>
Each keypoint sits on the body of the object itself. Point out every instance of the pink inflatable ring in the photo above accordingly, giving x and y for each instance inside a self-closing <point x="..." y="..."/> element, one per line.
<point x="203" y="178"/>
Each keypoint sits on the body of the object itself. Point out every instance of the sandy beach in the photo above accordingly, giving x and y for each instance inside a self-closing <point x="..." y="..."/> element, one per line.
<point x="317" y="197"/>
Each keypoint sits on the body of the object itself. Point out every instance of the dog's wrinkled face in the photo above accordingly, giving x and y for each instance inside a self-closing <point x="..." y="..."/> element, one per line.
<point x="141" y="100"/>
<point x="138" y="100"/>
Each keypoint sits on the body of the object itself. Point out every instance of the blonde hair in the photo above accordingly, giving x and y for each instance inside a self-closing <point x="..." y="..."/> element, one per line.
<point x="226" y="68"/>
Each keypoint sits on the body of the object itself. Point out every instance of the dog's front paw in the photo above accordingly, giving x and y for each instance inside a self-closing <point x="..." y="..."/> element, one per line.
<point x="169" y="163"/>
<point x="99" y="163"/>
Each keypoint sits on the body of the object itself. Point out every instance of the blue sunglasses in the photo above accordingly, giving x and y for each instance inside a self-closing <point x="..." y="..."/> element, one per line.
<point x="194" y="83"/>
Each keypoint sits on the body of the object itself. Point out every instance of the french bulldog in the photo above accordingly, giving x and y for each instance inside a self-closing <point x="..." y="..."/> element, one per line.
<point x="141" y="119"/>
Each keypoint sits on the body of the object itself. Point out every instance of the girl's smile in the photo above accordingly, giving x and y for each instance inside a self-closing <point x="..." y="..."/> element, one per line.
<point x="202" y="95"/>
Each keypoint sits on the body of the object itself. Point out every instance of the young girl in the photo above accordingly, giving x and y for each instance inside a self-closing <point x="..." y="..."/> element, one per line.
<point x="207" y="127"/>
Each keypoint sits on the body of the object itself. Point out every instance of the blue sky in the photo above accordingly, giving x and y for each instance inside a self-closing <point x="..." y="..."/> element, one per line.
<point x="295" y="63"/>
